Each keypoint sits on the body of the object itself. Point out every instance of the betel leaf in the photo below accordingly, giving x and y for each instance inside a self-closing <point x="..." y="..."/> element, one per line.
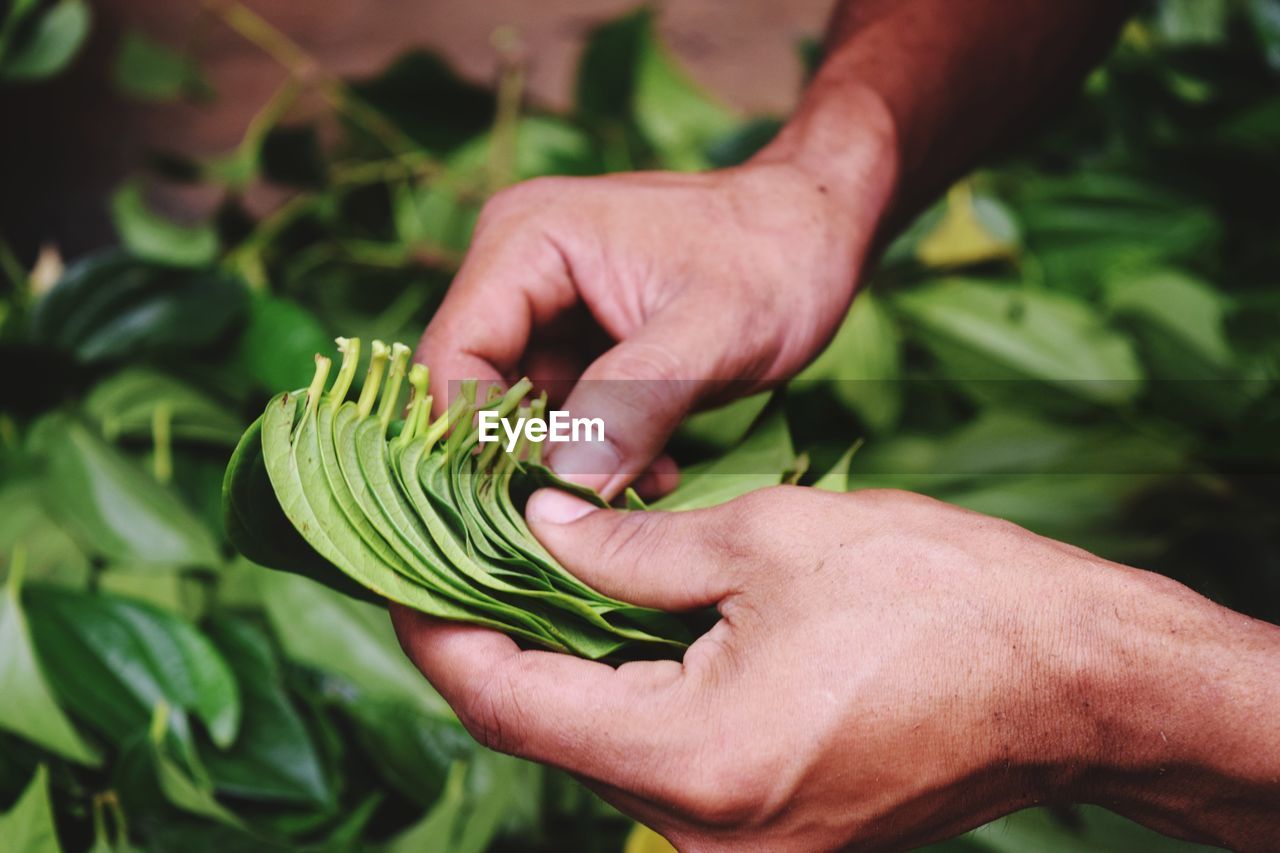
<point x="124" y="406"/>
<point x="759" y="461"/>
<point x="1181" y="320"/>
<point x="176" y="783"/>
<point x="50" y="44"/>
<point x="423" y="515"/>
<point x="837" y="477"/>
<point x="112" y="305"/>
<point x="28" y="826"/>
<point x="862" y="365"/>
<point x="118" y="510"/>
<point x="677" y="117"/>
<point x="155" y="238"/>
<point x="725" y="426"/>
<point x="627" y="75"/>
<point x="111" y="661"/>
<point x="1180" y="324"/>
<point x="985" y="331"/>
<point x="458" y="109"/>
<point x="276" y="343"/>
<point x="29" y="708"/>
<point x="354" y="640"/>
<point x="482" y="799"/>
<point x="258" y="528"/>
<point x="413" y="751"/>
<point x="444" y="211"/>
<point x="151" y="71"/>
<point x="272" y="757"/>
<point x="26" y="524"/>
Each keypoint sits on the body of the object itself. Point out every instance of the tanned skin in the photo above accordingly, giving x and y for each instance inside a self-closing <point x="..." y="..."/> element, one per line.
<point x="888" y="670"/>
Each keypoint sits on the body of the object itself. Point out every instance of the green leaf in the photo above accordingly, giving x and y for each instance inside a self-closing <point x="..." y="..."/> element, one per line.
<point x="1089" y="830"/>
<point x="151" y="71"/>
<point x="332" y="633"/>
<point x="863" y="364"/>
<point x="124" y="406"/>
<point x="438" y="829"/>
<point x="727" y="425"/>
<point x="112" y="306"/>
<point x="50" y="47"/>
<point x="413" y="751"/>
<point x="607" y="70"/>
<point x="982" y="331"/>
<point x="1184" y="22"/>
<point x="111" y="661"/>
<point x="482" y="800"/>
<point x="273" y="757"/>
<point x="179" y="787"/>
<point x="760" y="461"/>
<point x="27" y="524"/>
<point x="837" y="477"/>
<point x="677" y="118"/>
<point x="1265" y="15"/>
<point x="156" y="238"/>
<point x="626" y="74"/>
<point x="1181" y="319"/>
<point x="278" y="342"/>
<point x="29" y="708"/>
<point x="116" y="507"/>
<point x="28" y="826"/>
<point x="455" y="109"/>
<point x="258" y="528"/>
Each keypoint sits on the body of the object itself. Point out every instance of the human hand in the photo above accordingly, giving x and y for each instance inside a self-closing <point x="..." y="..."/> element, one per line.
<point x="737" y="276"/>
<point x="888" y="670"/>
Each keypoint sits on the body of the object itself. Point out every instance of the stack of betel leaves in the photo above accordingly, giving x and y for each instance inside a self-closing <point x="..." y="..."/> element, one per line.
<point x="418" y="511"/>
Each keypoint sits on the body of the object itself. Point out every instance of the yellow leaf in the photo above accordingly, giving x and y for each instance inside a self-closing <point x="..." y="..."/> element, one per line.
<point x="961" y="238"/>
<point x="644" y="840"/>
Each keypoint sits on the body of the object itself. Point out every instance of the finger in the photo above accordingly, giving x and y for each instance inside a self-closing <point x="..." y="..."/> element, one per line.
<point x="659" y="479"/>
<point x="668" y="560"/>
<point x="512" y="280"/>
<point x="582" y="716"/>
<point x="640" y="390"/>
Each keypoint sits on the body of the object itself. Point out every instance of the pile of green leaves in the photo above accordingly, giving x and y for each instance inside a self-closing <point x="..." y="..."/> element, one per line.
<point x="408" y="509"/>
<point x="1080" y="338"/>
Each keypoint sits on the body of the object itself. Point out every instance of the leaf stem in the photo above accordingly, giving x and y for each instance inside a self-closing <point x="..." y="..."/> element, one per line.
<point x="419" y="399"/>
<point x="373" y="378"/>
<point x="391" y="388"/>
<point x="317" y="382"/>
<point x="162" y="442"/>
<point x="350" y="349"/>
<point x="254" y="28"/>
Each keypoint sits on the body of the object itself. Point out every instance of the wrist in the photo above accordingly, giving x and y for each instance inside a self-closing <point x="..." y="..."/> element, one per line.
<point x="843" y="140"/>
<point x="1174" y="704"/>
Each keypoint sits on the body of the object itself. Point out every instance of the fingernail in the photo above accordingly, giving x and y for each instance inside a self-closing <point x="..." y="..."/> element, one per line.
<point x="556" y="507"/>
<point x="588" y="464"/>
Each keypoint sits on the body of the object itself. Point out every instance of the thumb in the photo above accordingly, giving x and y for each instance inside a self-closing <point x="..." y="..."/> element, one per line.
<point x="639" y="391"/>
<point x="668" y="560"/>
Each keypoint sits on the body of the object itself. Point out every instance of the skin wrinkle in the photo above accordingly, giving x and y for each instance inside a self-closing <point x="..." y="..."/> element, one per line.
<point x="975" y="667"/>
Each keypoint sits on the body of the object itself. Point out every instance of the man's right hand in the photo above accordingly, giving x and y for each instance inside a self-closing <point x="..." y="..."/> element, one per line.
<point x="697" y="280"/>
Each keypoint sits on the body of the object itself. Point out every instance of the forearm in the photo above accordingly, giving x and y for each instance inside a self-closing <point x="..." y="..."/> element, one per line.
<point x="1186" y="715"/>
<point x="940" y="83"/>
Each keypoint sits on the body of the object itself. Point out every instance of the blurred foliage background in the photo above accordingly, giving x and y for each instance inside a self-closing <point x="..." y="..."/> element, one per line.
<point x="1081" y="337"/>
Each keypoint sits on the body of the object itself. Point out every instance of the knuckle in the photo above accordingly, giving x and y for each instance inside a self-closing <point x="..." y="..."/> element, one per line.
<point x="525" y="198"/>
<point x="492" y="715"/>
